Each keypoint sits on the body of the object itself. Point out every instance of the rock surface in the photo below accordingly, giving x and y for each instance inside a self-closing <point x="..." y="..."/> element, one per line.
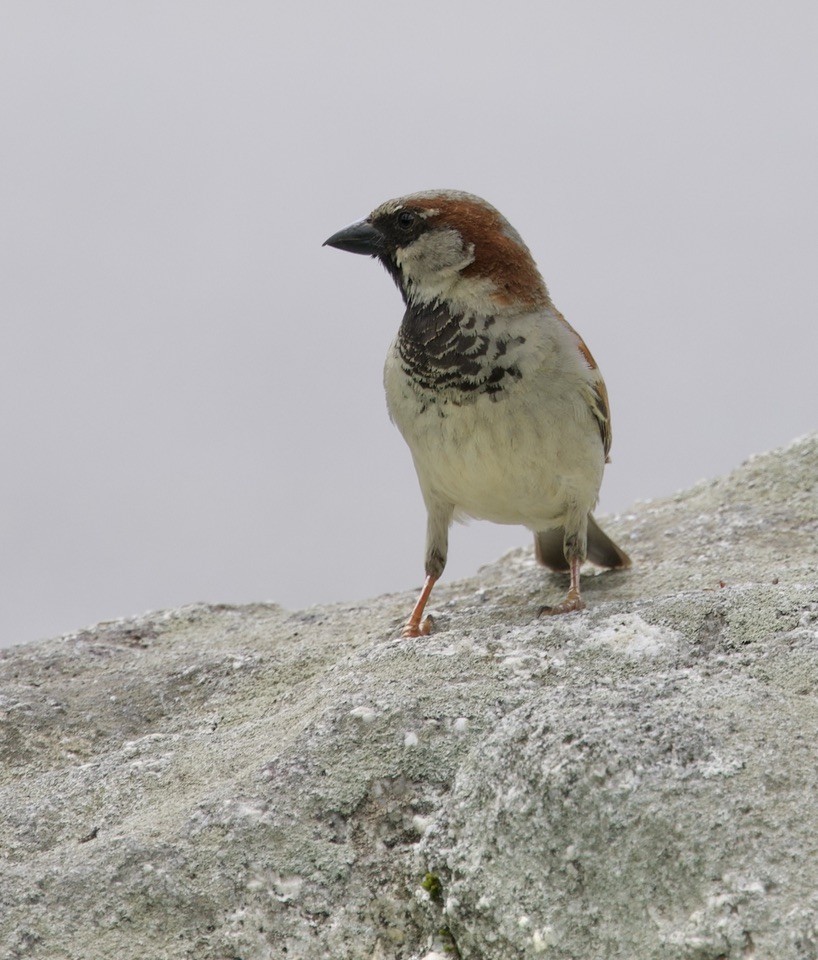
<point x="636" y="781"/>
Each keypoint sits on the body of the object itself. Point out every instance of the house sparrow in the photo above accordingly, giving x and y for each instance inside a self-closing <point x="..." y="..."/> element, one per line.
<point x="500" y="401"/>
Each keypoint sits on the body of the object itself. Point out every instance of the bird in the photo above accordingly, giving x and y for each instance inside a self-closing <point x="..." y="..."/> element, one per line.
<point x="500" y="401"/>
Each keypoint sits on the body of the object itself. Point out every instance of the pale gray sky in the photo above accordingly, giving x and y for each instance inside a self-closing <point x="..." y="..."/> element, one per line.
<point x="190" y="386"/>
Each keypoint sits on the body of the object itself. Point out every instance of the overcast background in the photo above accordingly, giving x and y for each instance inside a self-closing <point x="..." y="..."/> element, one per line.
<point x="190" y="386"/>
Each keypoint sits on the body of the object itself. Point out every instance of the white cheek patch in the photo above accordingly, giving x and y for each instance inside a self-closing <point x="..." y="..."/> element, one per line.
<point x="432" y="266"/>
<point x="433" y="253"/>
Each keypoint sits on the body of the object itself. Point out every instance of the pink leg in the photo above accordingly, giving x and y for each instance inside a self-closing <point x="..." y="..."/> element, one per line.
<point x="414" y="627"/>
<point x="573" y="600"/>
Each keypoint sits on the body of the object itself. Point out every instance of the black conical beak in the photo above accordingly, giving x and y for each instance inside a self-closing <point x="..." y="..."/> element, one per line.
<point x="360" y="237"/>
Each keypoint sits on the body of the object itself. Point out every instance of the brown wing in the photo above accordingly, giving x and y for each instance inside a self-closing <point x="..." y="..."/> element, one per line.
<point x="599" y="408"/>
<point x="597" y="394"/>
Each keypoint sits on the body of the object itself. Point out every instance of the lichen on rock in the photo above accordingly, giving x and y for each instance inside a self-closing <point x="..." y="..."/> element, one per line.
<point x="637" y="780"/>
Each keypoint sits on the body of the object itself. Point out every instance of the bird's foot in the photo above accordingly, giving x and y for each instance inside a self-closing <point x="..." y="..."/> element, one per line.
<point x="571" y="603"/>
<point x="417" y="629"/>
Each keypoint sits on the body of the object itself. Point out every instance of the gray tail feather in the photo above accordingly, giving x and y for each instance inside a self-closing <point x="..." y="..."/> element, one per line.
<point x="548" y="547"/>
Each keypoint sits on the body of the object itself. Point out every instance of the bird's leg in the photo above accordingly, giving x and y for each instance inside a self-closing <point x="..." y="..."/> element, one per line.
<point x="414" y="626"/>
<point x="573" y="600"/>
<point x="575" y="549"/>
<point x="439" y="516"/>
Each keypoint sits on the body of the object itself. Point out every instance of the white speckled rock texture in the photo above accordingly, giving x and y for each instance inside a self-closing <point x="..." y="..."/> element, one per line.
<point x="637" y="781"/>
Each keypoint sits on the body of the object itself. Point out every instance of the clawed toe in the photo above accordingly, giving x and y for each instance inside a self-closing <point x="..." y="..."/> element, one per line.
<point x="568" y="605"/>
<point x="422" y="629"/>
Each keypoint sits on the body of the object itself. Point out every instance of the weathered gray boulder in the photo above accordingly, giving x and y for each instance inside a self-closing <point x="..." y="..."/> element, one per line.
<point x="637" y="781"/>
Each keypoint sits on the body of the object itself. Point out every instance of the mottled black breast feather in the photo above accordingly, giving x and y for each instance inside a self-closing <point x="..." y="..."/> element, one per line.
<point x="442" y="352"/>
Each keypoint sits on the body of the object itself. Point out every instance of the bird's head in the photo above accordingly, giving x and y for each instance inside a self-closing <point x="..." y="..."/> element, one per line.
<point x="450" y="247"/>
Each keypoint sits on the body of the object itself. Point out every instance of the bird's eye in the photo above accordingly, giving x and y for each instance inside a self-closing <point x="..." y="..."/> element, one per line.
<point x="406" y="219"/>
